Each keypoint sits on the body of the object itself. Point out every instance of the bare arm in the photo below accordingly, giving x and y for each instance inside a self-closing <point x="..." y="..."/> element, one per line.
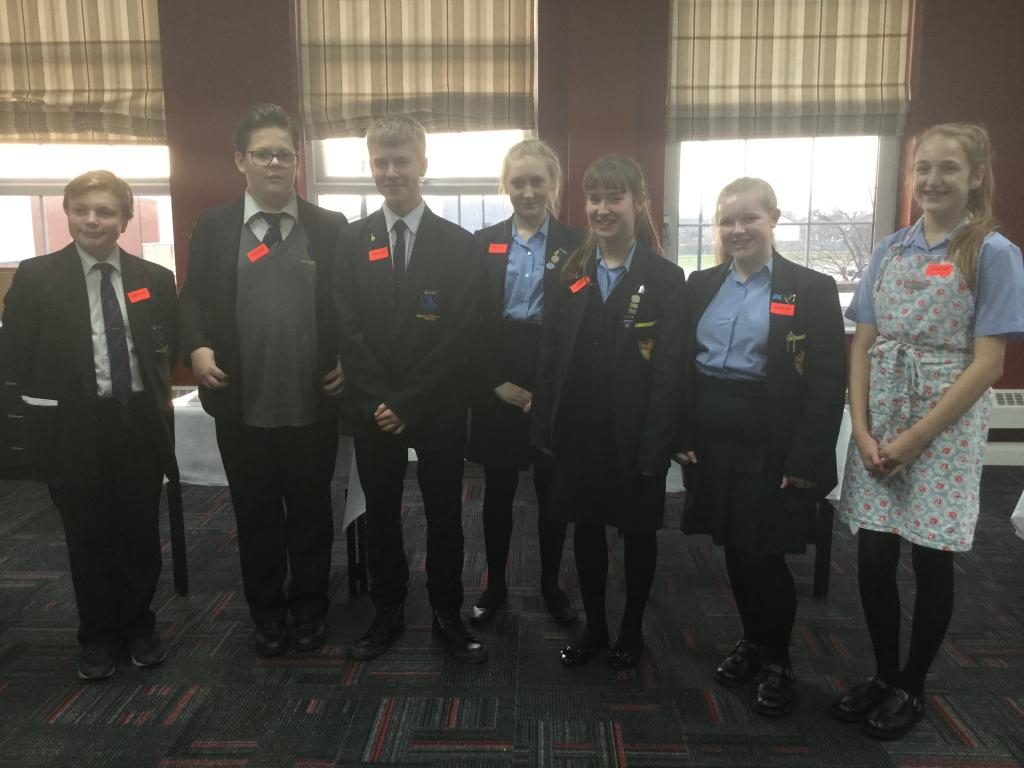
<point x="860" y="368"/>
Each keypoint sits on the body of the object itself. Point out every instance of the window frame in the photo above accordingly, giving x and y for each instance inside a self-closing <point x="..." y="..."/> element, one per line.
<point x="887" y="177"/>
<point x="318" y="182"/>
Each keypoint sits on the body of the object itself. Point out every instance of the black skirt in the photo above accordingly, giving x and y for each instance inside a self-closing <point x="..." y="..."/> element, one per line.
<point x="499" y="433"/>
<point x="733" y="491"/>
<point x="588" y="485"/>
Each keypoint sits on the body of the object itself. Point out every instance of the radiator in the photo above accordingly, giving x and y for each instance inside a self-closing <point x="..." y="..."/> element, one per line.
<point x="1008" y="413"/>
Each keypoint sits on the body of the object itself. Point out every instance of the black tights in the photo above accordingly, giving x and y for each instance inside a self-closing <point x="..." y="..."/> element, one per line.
<point x="640" y="559"/>
<point x="765" y="595"/>
<point x="878" y="556"/>
<point x="500" y="482"/>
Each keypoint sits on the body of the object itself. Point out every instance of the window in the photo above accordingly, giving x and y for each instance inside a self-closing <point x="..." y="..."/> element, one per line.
<point x="32" y="190"/>
<point x="461" y="183"/>
<point x="833" y="207"/>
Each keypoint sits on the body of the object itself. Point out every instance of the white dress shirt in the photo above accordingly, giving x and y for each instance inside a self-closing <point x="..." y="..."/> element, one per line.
<point x="259" y="225"/>
<point x="412" y="222"/>
<point x="100" y="354"/>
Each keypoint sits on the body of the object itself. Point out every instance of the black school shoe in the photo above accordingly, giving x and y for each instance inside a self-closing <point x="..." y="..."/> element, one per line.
<point x="776" y="695"/>
<point x="309" y="633"/>
<point x="461" y="642"/>
<point x="741" y="665"/>
<point x="895" y="716"/>
<point x="860" y="700"/>
<point x="626" y="651"/>
<point x="270" y="638"/>
<point x="97" y="660"/>
<point x="487" y="605"/>
<point x="588" y="644"/>
<point x="147" y="651"/>
<point x="387" y="625"/>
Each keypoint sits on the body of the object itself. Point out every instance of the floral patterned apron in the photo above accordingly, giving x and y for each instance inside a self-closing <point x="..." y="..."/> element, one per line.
<point x="924" y="312"/>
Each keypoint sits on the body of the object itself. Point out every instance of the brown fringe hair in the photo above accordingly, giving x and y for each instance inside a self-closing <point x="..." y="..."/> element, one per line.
<point x="542" y="151"/>
<point x="615" y="173"/>
<point x="965" y="245"/>
<point x="103" y="181"/>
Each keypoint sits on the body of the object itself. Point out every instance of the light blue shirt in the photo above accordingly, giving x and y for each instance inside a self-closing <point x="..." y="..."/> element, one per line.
<point x="524" y="276"/>
<point x="999" y="284"/>
<point x="608" y="278"/>
<point x="733" y="331"/>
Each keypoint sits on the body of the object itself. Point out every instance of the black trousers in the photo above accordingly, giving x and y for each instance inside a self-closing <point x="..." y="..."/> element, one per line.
<point x="112" y="529"/>
<point x="382" y="460"/>
<point x="280" y="481"/>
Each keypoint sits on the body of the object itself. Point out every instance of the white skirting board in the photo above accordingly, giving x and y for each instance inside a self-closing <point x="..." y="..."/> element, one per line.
<point x="1004" y="455"/>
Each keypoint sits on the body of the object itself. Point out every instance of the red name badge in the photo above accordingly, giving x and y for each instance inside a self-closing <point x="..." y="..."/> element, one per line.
<point x="498" y="248"/>
<point x="377" y="254"/>
<point x="779" y="308"/>
<point x="140" y="295"/>
<point x="939" y="270"/>
<point x="258" y="252"/>
<point x="580" y="284"/>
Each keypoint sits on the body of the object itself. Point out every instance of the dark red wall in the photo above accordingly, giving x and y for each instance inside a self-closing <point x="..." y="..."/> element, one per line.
<point x="969" y="66"/>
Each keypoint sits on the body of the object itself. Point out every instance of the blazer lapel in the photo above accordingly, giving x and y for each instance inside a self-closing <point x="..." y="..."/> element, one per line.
<point x="138" y="299"/>
<point x="626" y="290"/>
<point x="227" y="252"/>
<point x="373" y="236"/>
<point x="497" y="263"/>
<point x="79" y="321"/>
<point x="780" y="323"/>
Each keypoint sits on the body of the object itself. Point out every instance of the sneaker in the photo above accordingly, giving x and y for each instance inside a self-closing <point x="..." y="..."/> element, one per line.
<point x="147" y="651"/>
<point x="98" y="660"/>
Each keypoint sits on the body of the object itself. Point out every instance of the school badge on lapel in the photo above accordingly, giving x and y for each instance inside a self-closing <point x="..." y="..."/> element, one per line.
<point x="798" y="362"/>
<point x="646" y="347"/>
<point x="634" y="306"/>
<point x="555" y="259"/>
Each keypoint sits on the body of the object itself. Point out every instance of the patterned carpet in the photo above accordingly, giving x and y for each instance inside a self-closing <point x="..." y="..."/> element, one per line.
<point x="215" y="703"/>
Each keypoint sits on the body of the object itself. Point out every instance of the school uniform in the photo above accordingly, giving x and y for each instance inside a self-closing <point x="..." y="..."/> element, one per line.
<point x="766" y="375"/>
<point x="266" y="313"/>
<point x="406" y="344"/>
<point x="102" y="446"/>
<point x="520" y="279"/>
<point x="606" y="403"/>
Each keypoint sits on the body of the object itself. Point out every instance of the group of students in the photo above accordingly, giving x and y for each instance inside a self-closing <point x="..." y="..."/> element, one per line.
<point x="585" y="355"/>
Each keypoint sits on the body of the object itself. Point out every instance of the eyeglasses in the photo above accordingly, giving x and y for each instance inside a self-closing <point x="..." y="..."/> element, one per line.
<point x="263" y="157"/>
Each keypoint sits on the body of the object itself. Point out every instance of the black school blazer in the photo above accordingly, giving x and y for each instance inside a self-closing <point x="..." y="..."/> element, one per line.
<point x="46" y="351"/>
<point x="647" y="393"/>
<point x="210" y="294"/>
<point x="805" y="407"/>
<point x="411" y="351"/>
<point x="493" y="244"/>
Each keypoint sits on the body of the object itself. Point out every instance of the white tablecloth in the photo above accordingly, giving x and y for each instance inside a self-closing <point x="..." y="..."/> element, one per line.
<point x="195" y="445"/>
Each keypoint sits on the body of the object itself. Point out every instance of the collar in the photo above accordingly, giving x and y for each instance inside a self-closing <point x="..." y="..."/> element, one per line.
<point x="252" y="208"/>
<point x="916" y="235"/>
<point x="412" y="218"/>
<point x="89" y="261"/>
<point x="629" y="259"/>
<point x="543" y="231"/>
<point x="770" y="266"/>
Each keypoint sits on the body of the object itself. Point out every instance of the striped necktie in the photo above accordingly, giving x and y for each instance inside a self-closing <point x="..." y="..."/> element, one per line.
<point x="117" y="337"/>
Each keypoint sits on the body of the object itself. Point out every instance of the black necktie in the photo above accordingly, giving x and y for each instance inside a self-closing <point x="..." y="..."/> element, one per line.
<point x="117" y="338"/>
<point x="398" y="257"/>
<point x="273" y="236"/>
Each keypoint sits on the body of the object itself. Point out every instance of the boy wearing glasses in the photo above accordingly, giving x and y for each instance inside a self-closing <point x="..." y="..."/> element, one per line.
<point x="258" y="334"/>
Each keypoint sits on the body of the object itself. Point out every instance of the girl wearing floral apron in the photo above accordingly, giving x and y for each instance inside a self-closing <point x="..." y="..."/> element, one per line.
<point x="933" y="315"/>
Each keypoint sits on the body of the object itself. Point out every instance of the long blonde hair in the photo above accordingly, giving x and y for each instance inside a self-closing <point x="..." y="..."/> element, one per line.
<point x="616" y="173"/>
<point x="739" y="186"/>
<point x="965" y="245"/>
<point x="539" y="150"/>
